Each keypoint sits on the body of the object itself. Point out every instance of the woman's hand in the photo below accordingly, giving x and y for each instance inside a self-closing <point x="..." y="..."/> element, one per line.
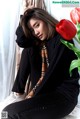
<point x="17" y="94"/>
<point x="28" y="4"/>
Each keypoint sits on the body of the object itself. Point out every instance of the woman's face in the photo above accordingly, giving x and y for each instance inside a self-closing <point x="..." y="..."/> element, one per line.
<point x="38" y="28"/>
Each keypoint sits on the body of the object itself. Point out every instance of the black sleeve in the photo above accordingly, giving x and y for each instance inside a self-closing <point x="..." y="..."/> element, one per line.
<point x="23" y="73"/>
<point x="21" y="40"/>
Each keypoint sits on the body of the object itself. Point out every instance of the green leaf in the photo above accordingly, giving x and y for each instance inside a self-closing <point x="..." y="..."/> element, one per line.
<point x="74" y="64"/>
<point x="71" y="47"/>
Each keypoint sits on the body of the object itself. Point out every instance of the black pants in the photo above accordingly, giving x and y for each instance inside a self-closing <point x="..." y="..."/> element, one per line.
<point x="41" y="107"/>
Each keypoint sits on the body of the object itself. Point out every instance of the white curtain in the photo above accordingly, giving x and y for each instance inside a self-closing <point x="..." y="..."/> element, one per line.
<point x="9" y="19"/>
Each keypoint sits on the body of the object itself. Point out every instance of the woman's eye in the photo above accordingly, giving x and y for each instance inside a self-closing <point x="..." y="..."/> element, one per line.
<point x="37" y="25"/>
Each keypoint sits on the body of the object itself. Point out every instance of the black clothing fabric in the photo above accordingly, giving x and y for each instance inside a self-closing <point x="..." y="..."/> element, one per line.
<point x="41" y="107"/>
<point x="57" y="94"/>
<point x="21" y="39"/>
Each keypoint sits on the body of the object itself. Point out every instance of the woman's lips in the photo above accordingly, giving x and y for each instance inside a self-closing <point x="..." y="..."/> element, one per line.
<point x="40" y="36"/>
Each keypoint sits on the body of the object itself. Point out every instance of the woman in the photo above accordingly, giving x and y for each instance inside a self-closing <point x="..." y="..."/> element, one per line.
<point x="53" y="93"/>
<point x="22" y="42"/>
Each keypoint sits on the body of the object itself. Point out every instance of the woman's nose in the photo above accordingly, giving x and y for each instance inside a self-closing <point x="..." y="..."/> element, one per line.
<point x="36" y="32"/>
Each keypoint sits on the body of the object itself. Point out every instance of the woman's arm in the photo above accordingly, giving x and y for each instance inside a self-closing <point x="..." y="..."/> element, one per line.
<point x="21" y="40"/>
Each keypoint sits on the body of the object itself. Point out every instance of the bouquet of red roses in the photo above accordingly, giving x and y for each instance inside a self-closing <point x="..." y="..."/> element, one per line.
<point x="68" y="31"/>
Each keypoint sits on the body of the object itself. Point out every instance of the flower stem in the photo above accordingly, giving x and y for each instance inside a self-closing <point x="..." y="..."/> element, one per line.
<point x="77" y="39"/>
